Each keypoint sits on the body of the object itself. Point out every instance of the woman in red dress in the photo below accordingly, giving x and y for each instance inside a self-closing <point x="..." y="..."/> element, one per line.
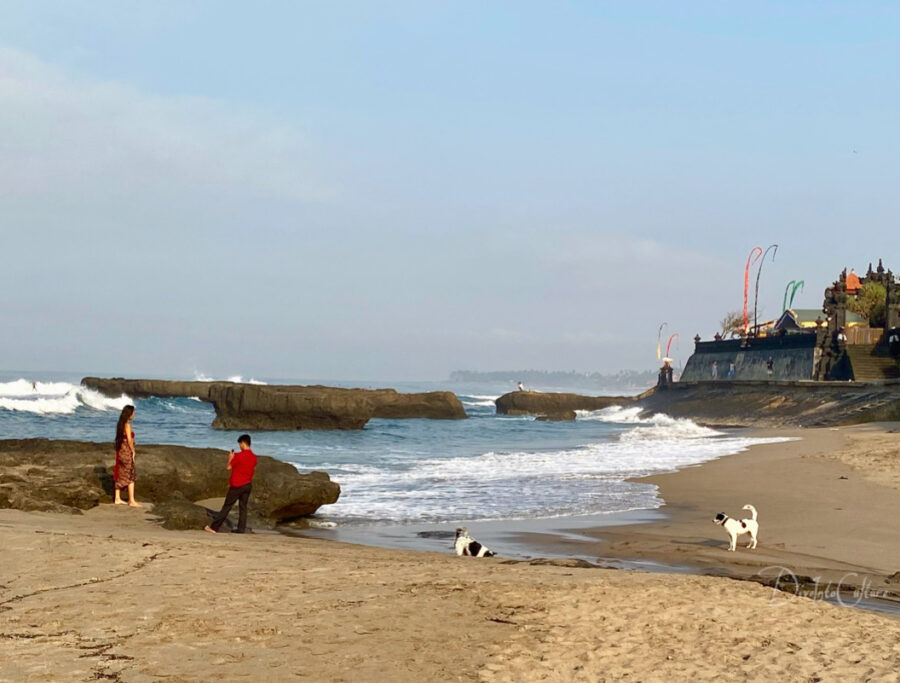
<point x="124" y="473"/>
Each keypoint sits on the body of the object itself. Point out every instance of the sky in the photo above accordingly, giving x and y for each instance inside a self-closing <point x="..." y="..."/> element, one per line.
<point x="396" y="190"/>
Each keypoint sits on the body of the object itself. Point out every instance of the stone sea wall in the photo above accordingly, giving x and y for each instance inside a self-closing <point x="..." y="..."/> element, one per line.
<point x="793" y="358"/>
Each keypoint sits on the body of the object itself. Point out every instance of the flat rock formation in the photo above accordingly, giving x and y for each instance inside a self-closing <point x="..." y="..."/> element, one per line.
<point x="285" y="407"/>
<point x="71" y="476"/>
<point x="540" y="403"/>
<point x="775" y="404"/>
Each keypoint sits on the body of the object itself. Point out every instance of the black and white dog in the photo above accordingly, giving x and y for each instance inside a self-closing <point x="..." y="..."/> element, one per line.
<point x="466" y="545"/>
<point x="736" y="527"/>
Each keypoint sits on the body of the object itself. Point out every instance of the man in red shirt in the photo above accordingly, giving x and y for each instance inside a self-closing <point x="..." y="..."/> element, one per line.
<point x="241" y="465"/>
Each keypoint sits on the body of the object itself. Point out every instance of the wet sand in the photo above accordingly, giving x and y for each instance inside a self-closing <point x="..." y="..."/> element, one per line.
<point x="828" y="502"/>
<point x="111" y="596"/>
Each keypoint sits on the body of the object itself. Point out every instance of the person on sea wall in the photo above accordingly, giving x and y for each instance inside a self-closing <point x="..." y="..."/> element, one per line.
<point x="715" y="369"/>
<point x="731" y="370"/>
<point x="242" y="465"/>
<point x="124" y="472"/>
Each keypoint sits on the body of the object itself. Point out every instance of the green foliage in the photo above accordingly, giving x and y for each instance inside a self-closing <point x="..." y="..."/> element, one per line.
<point x="870" y="303"/>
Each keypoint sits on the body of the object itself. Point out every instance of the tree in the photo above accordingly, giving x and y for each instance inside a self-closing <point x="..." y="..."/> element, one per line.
<point x="870" y="303"/>
<point x="732" y="322"/>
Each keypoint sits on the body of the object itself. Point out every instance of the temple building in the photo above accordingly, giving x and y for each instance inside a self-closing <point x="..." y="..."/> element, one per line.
<point x="831" y="344"/>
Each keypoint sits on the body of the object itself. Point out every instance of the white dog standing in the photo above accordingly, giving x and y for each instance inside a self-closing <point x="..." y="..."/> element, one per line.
<point x="737" y="528"/>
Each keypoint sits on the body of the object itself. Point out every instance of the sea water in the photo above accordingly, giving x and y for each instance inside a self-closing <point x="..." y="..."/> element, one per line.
<point x="488" y="467"/>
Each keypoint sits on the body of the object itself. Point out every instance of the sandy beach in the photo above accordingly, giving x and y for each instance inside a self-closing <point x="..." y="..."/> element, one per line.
<point x="109" y="595"/>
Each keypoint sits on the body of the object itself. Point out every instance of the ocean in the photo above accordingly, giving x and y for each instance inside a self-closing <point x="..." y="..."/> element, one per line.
<point x="425" y="474"/>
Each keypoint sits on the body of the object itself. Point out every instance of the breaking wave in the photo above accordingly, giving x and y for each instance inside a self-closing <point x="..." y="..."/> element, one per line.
<point x="238" y="379"/>
<point x="657" y="427"/>
<point x="54" y="398"/>
<point x="478" y="401"/>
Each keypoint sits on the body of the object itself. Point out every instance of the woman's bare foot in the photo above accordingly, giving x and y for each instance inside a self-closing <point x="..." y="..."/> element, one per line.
<point x="134" y="504"/>
<point x="119" y="502"/>
<point x="210" y="529"/>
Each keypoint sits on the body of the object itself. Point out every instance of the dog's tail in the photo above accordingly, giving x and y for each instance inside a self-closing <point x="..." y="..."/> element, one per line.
<point x="752" y="511"/>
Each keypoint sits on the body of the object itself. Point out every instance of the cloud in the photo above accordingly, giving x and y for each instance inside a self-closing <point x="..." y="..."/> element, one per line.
<point x="87" y="140"/>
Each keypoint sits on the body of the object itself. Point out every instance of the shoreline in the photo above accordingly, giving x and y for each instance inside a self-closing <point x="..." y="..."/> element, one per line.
<point x="819" y="516"/>
<point x="820" y="520"/>
<point x="102" y="595"/>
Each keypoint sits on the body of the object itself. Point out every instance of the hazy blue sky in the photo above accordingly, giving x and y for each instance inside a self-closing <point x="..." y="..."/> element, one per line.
<point x="395" y="190"/>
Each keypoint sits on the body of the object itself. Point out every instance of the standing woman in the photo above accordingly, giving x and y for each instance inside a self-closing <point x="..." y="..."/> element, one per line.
<point x="124" y="473"/>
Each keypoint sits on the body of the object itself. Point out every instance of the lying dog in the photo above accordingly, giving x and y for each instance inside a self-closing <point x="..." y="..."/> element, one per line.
<point x="737" y="528"/>
<point x="466" y="545"/>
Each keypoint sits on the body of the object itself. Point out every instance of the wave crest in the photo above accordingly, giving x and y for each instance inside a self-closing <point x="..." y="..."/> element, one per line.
<point x="656" y="427"/>
<point x="54" y="398"/>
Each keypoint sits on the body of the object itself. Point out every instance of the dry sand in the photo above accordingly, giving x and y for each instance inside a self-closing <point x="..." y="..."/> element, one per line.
<point x="111" y="596"/>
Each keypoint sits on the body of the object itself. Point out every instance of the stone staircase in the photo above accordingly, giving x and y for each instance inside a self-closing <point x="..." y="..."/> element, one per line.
<point x="867" y="366"/>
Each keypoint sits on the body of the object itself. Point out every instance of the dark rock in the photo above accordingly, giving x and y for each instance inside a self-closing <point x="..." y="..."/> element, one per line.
<point x="281" y="407"/>
<point x="42" y="474"/>
<point x="539" y="403"/>
<point x="254" y="407"/>
<point x="563" y="416"/>
<point x="433" y="405"/>
<point x="179" y="513"/>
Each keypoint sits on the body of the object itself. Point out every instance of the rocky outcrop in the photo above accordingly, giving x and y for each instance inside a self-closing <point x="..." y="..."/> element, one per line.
<point x="283" y="407"/>
<point x="160" y="388"/>
<point x="748" y="403"/>
<point x="71" y="476"/>
<point x="433" y="405"/>
<point x="539" y="403"/>
<point x="247" y="406"/>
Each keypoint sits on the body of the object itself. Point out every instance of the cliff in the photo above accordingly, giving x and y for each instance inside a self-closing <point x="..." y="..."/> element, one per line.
<point x="71" y="476"/>
<point x="286" y="407"/>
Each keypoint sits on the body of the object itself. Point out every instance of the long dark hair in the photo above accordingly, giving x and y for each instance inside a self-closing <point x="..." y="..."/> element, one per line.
<point x="126" y="414"/>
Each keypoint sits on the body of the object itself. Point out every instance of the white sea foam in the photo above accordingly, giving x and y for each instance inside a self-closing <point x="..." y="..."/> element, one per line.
<point x="656" y="427"/>
<point x="54" y="398"/>
<point x="587" y="479"/>
<point x="237" y="379"/>
<point x="616" y="414"/>
<point x="478" y="400"/>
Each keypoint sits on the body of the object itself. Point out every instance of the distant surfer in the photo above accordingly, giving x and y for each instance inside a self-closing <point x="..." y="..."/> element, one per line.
<point x="34" y="387"/>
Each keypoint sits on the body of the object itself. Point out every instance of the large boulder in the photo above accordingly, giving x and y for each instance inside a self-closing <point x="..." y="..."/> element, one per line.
<point x="43" y="474"/>
<point x="282" y="407"/>
<point x="540" y="403"/>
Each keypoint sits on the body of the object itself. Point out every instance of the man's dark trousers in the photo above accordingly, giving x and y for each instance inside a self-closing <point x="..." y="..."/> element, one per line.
<point x="235" y="494"/>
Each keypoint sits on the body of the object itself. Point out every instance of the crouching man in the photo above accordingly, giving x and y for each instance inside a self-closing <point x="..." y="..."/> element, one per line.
<point x="241" y="465"/>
